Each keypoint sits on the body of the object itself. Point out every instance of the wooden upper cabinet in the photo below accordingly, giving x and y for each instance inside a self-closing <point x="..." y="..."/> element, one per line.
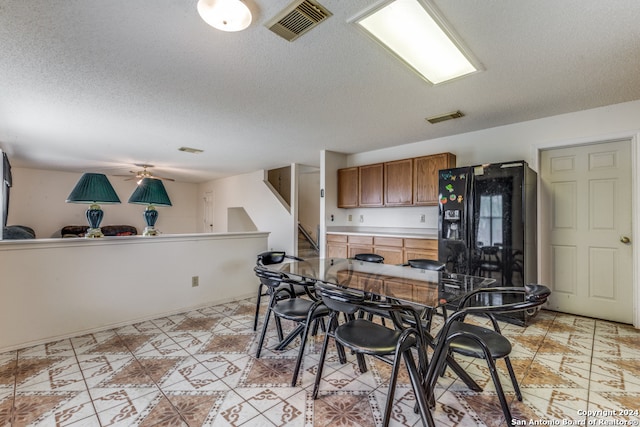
<point x="348" y="188"/>
<point x="407" y="182"/>
<point x="398" y="183"/>
<point x="425" y="177"/>
<point x="371" y="185"/>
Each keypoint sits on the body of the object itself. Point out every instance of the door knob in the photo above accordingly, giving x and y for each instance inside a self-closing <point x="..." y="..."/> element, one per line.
<point x="625" y="239"/>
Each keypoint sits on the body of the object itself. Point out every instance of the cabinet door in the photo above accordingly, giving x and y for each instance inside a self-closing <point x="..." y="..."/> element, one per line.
<point x="390" y="248"/>
<point x="371" y="185"/>
<point x="391" y="255"/>
<point x="420" y="249"/>
<point x="348" y="188"/>
<point x="336" y="245"/>
<point x="398" y="183"/>
<point x="359" y="249"/>
<point x="401" y="289"/>
<point x="420" y="254"/>
<point x="425" y="177"/>
<point x="370" y="284"/>
<point x="336" y="250"/>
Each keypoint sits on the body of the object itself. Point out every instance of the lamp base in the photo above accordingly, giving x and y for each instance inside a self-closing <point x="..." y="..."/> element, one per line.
<point x="94" y="216"/>
<point x="150" y="231"/>
<point x="93" y="233"/>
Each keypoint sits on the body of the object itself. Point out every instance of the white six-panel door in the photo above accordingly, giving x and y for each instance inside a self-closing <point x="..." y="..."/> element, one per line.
<point x="586" y="212"/>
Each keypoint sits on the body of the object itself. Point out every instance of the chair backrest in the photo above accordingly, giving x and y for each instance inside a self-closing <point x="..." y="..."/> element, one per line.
<point x="270" y="278"/>
<point x="505" y="299"/>
<point x="350" y="301"/>
<point x="369" y="258"/>
<point x="426" y="264"/>
<point x="274" y="257"/>
<point x="340" y="299"/>
<point x="271" y="257"/>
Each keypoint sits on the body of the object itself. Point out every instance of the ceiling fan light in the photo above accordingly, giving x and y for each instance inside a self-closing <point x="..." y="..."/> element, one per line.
<point x="225" y="15"/>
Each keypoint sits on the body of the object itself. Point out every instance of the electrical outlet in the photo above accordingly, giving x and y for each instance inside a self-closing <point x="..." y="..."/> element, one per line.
<point x="195" y="281"/>
<point x="350" y="217"/>
<point x="361" y="218"/>
<point x="423" y="218"/>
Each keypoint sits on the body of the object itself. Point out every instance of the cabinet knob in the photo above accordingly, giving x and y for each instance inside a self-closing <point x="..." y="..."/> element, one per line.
<point x="625" y="240"/>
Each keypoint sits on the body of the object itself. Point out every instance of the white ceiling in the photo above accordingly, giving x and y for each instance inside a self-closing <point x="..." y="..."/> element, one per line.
<point x="89" y="85"/>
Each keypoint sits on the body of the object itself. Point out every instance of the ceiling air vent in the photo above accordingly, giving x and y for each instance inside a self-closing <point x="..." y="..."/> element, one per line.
<point x="444" y="117"/>
<point x="297" y="19"/>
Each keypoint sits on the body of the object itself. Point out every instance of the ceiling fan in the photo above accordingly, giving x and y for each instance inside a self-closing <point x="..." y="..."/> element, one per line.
<point x="144" y="173"/>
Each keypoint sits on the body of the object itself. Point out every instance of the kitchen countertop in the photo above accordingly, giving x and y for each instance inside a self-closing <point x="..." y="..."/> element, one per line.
<point x="415" y="233"/>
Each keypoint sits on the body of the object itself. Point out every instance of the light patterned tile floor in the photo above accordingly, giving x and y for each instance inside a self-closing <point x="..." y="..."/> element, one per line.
<point x="199" y="369"/>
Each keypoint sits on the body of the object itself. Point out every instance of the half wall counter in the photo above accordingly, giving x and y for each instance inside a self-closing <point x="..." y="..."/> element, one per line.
<point x="57" y="288"/>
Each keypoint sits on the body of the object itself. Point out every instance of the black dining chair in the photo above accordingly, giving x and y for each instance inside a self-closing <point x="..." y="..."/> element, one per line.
<point x="366" y="257"/>
<point x="426" y="264"/>
<point x="283" y="304"/>
<point x="271" y="258"/>
<point x="490" y="262"/>
<point x="480" y="342"/>
<point x="364" y="337"/>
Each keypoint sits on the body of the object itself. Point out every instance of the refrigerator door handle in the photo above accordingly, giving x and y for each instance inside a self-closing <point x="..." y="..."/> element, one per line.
<point x="469" y="219"/>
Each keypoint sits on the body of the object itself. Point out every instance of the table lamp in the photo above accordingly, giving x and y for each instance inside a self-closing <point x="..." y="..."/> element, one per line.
<point x="150" y="192"/>
<point x="93" y="188"/>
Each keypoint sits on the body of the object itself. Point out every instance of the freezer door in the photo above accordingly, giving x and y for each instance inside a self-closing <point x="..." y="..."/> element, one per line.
<point x="453" y="230"/>
<point x="497" y="225"/>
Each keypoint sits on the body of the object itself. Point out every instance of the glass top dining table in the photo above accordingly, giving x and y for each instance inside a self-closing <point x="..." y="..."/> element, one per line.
<point x="430" y="289"/>
<point x="425" y="288"/>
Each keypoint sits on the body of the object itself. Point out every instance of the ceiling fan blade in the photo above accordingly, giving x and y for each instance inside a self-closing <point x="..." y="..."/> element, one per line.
<point x="163" y="178"/>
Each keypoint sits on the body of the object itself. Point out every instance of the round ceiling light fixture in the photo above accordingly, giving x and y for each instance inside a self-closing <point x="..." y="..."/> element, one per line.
<point x="225" y="15"/>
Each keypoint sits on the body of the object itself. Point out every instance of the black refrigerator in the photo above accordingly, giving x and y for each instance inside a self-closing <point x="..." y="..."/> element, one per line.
<point x="487" y="223"/>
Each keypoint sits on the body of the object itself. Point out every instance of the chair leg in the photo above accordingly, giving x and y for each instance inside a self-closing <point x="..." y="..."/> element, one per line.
<point x="303" y="343"/>
<point x="392" y="389"/>
<point x="362" y="363"/>
<point x="333" y="322"/>
<point x="279" y="329"/>
<point x="499" y="390"/>
<point x="417" y="382"/>
<point x="265" y="325"/>
<point x="255" y="318"/>
<point x="264" y="332"/>
<point x="514" y="381"/>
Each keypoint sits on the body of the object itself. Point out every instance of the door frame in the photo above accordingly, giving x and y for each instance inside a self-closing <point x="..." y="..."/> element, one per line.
<point x="634" y="137"/>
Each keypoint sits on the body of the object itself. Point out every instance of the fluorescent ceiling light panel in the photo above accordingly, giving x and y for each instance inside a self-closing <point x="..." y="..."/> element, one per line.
<point x="414" y="32"/>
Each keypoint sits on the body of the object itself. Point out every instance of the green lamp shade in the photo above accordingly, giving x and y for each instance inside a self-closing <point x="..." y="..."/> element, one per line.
<point x="93" y="188"/>
<point x="150" y="191"/>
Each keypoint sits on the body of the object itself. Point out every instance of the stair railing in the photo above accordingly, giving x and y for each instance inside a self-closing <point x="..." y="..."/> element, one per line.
<point x="308" y="237"/>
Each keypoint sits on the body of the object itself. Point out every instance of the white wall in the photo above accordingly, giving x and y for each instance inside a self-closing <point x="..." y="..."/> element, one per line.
<point x="56" y="288"/>
<point x="38" y="201"/>
<point x="309" y="199"/>
<point x="250" y="192"/>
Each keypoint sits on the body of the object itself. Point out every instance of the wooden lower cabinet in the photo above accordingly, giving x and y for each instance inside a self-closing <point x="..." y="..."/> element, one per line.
<point x="403" y="289"/>
<point x="354" y="250"/>
<point x="395" y="250"/>
<point x="391" y="255"/>
<point x="420" y="249"/>
<point x="359" y="245"/>
<point x="391" y="248"/>
<point x="337" y="246"/>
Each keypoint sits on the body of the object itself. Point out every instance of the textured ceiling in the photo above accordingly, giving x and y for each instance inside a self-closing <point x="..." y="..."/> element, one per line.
<point x="88" y="85"/>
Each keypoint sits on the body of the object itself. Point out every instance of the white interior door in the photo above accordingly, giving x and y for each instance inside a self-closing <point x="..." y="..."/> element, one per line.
<point x="208" y="212"/>
<point x="587" y="202"/>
